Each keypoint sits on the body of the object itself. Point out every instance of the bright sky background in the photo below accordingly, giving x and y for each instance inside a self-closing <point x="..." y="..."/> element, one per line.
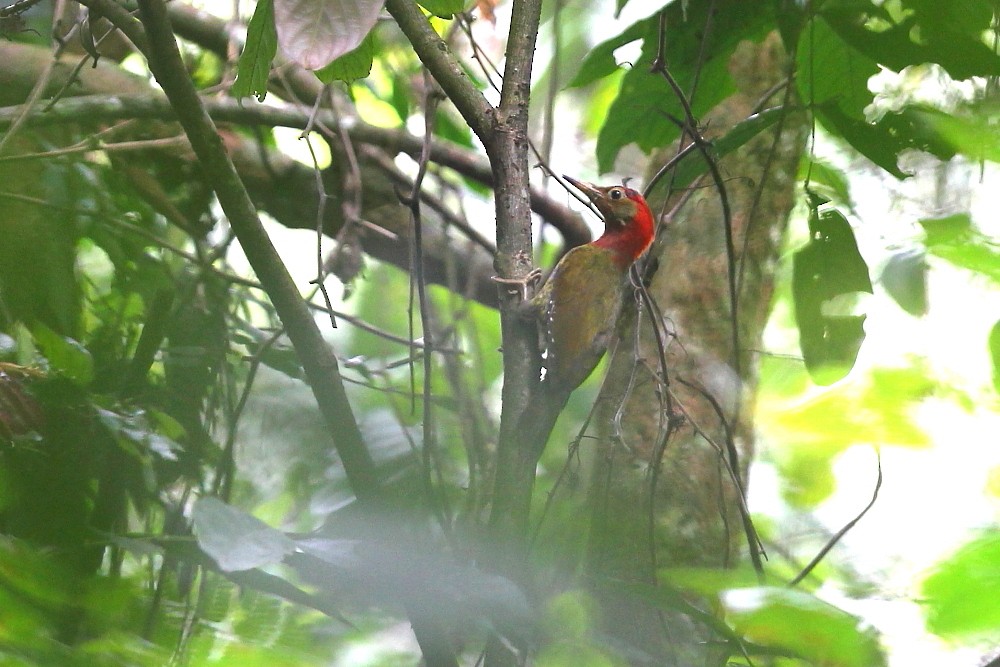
<point x="933" y="499"/>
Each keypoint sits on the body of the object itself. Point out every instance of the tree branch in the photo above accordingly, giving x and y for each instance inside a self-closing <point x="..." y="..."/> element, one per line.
<point x="516" y="459"/>
<point x="108" y="108"/>
<point x="317" y="358"/>
<point x="444" y="67"/>
<point x="122" y="19"/>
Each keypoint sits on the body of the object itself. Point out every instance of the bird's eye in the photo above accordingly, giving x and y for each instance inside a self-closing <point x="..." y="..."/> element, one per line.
<point x="616" y="194"/>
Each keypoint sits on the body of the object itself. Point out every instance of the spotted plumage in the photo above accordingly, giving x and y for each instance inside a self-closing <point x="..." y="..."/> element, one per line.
<point x="577" y="307"/>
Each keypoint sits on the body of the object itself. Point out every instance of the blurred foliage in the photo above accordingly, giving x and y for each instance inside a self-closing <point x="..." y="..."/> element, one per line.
<point x="815" y="426"/>
<point x="698" y="63"/>
<point x="827" y="270"/>
<point x="803" y="626"/>
<point x="159" y="451"/>
<point x="957" y="594"/>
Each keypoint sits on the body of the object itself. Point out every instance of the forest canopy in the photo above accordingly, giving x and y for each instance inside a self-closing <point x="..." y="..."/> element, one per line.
<point x="279" y="383"/>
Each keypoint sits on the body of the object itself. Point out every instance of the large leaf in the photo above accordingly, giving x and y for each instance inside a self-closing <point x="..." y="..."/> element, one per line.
<point x="65" y="355"/>
<point x="643" y="110"/>
<point x="971" y="133"/>
<point x="356" y="64"/>
<point x="867" y="138"/>
<point x="832" y="72"/>
<point x="841" y="51"/>
<point x="255" y="61"/>
<point x="743" y="132"/>
<point x="947" y="33"/>
<point x="236" y="540"/>
<point x="960" y="596"/>
<point x="802" y="624"/>
<point x="314" y="33"/>
<point x="600" y="62"/>
<point x="829" y="269"/>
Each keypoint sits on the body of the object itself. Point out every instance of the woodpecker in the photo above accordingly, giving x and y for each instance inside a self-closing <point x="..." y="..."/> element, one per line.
<point x="577" y="307"/>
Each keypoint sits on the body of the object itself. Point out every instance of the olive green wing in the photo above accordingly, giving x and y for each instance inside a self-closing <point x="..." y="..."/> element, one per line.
<point x="582" y="301"/>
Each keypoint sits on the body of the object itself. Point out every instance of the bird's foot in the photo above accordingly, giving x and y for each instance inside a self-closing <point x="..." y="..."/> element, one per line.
<point x="520" y="286"/>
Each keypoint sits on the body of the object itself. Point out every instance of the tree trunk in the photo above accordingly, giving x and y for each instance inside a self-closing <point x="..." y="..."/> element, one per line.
<point x="659" y="503"/>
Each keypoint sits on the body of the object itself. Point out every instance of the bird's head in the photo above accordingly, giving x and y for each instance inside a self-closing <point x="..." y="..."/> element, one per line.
<point x="617" y="203"/>
<point x="628" y="222"/>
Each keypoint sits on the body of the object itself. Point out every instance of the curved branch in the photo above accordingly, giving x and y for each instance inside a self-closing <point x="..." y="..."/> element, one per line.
<point x="122" y="19"/>
<point x="151" y="106"/>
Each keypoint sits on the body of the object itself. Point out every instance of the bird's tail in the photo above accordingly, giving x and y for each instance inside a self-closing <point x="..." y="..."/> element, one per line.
<point x="539" y="417"/>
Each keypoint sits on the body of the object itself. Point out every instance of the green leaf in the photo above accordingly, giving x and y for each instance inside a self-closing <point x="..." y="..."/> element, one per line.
<point x="446" y="127"/>
<point x="691" y="57"/>
<point x="443" y="8"/>
<point x="570" y="614"/>
<point x="803" y="625"/>
<point x="904" y="277"/>
<point x="314" y="33"/>
<point x="827" y="271"/>
<point x="385" y="284"/>
<point x="828" y="181"/>
<point x="351" y="66"/>
<point x="261" y="46"/>
<point x="867" y="138"/>
<point x="960" y="599"/>
<point x="135" y="435"/>
<point x="954" y="239"/>
<point x="402" y="91"/>
<point x="972" y="134"/>
<point x="600" y="62"/>
<point x="743" y="132"/>
<point x="948" y="230"/>
<point x="575" y="652"/>
<point x="236" y="540"/>
<point x="833" y="73"/>
<point x="65" y="355"/>
<point x="936" y="19"/>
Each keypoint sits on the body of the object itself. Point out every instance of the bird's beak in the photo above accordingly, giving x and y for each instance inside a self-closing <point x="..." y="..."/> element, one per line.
<point x="592" y="191"/>
<point x="599" y="197"/>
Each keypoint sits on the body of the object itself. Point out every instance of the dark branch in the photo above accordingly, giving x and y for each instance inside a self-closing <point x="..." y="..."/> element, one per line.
<point x="118" y="107"/>
<point x="314" y="353"/>
<point x="445" y="68"/>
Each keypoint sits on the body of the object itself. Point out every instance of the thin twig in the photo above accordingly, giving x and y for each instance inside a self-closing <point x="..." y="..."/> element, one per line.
<point x="321" y="197"/>
<point x="431" y="99"/>
<point x="690" y="127"/>
<point x="732" y="464"/>
<point x="90" y="146"/>
<point x="832" y="542"/>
